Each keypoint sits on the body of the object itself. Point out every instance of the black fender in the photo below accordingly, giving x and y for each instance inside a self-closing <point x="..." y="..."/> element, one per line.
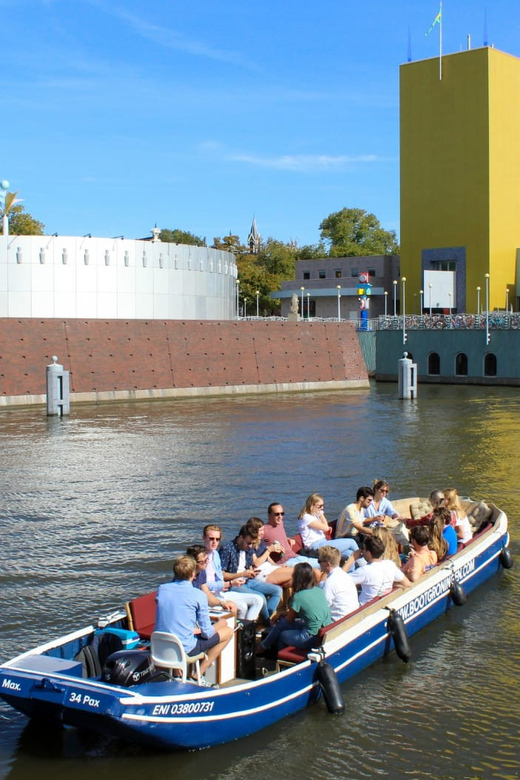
<point x="397" y="628"/>
<point x="329" y="684"/>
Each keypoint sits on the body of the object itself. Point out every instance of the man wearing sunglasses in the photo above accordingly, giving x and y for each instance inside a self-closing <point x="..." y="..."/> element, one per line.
<point x="274" y="531"/>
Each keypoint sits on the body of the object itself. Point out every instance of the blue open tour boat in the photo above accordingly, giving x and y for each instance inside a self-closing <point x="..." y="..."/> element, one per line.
<point x="145" y="706"/>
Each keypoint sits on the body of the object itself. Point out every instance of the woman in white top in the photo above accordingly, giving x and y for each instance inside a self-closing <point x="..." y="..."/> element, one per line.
<point x="313" y="526"/>
<point x="459" y="518"/>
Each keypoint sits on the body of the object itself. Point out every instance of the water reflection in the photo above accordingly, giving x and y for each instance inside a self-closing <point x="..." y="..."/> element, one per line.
<point x="94" y="507"/>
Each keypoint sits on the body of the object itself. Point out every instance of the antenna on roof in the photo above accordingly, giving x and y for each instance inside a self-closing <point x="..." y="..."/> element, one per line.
<point x="485" y="26"/>
<point x="409" y="45"/>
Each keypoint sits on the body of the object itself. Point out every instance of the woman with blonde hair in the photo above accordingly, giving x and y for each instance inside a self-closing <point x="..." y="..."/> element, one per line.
<point x="458" y="516"/>
<point x="313" y="527"/>
<point x="391" y="552"/>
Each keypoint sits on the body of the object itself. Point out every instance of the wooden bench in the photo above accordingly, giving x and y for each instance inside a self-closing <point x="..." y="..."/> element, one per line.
<point x="141" y="614"/>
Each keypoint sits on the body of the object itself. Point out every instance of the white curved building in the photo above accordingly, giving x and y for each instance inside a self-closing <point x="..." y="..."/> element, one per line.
<point x="114" y="278"/>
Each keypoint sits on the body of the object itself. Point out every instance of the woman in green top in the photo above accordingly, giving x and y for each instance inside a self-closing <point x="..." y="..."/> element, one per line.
<point x="308" y="613"/>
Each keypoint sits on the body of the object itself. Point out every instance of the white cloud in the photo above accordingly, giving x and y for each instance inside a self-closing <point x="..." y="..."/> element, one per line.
<point x="304" y="163"/>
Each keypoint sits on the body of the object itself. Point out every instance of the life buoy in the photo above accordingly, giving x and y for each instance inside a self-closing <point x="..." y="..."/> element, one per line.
<point x="329" y="683"/>
<point x="397" y="628"/>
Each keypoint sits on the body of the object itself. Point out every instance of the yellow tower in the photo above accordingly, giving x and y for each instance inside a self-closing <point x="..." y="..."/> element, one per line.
<point x="460" y="179"/>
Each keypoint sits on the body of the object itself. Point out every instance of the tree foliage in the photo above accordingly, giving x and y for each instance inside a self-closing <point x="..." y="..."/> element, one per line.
<point x="355" y="232"/>
<point x="229" y="243"/>
<point x="181" y="237"/>
<point x="23" y="224"/>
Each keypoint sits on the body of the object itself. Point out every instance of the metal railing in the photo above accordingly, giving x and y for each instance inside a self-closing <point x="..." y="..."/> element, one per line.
<point x="496" y="320"/>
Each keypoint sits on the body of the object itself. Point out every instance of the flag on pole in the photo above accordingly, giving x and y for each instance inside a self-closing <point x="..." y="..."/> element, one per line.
<point x="437" y="20"/>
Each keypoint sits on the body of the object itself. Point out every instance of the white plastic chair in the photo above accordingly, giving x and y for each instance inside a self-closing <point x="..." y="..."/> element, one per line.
<point x="168" y="653"/>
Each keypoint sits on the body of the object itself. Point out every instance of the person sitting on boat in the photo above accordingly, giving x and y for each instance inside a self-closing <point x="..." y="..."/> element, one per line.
<point x="380" y="575"/>
<point x="421" y="557"/>
<point x="248" y="604"/>
<point x="435" y="499"/>
<point x="381" y="508"/>
<point x="308" y="612"/>
<point x="313" y="526"/>
<point x="340" y="591"/>
<point x="200" y="556"/>
<point x="183" y="610"/>
<point x="458" y="516"/>
<point x="449" y="533"/>
<point x="437" y="541"/>
<point x="274" y="531"/>
<point x="236" y="557"/>
<point x="391" y="552"/>
<point x="353" y="521"/>
<point x="268" y="570"/>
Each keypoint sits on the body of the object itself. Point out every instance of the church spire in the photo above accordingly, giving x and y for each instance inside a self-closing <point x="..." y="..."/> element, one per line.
<point x="253" y="239"/>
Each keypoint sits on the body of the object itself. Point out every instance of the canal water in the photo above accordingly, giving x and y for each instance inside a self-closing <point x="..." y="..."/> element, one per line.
<point x="93" y="509"/>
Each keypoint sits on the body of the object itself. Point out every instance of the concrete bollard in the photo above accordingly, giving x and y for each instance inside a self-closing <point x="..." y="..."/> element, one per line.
<point x="407" y="377"/>
<point x="58" y="389"/>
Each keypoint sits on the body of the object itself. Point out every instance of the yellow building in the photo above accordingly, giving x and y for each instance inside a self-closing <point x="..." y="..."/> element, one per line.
<point x="460" y="179"/>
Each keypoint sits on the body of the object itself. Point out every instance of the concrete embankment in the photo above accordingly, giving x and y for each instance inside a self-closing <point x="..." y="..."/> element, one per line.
<point x="141" y="359"/>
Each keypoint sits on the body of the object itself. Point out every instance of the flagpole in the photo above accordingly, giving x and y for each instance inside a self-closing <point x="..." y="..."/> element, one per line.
<point x="440" y="43"/>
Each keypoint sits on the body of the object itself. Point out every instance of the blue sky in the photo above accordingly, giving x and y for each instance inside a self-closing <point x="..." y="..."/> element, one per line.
<point x="200" y="114"/>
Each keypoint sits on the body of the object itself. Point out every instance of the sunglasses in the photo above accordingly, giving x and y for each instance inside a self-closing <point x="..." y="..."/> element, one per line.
<point x="277" y="514"/>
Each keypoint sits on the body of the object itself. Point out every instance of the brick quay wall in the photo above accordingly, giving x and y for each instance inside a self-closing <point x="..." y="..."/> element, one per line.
<point x="144" y="359"/>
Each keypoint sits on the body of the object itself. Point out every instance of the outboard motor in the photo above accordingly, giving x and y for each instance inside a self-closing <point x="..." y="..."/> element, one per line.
<point x="128" y="667"/>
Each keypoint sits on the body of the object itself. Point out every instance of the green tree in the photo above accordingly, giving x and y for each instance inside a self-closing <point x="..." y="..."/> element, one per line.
<point x="265" y="271"/>
<point x="354" y="232"/>
<point x="23" y="224"/>
<point x="229" y="243"/>
<point x="181" y="237"/>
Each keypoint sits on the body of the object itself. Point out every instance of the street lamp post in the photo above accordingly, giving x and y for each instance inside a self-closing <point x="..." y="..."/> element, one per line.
<point x="449" y="306"/>
<point x="395" y="297"/>
<point x="257" y="304"/>
<point x="430" y="294"/>
<point x="386" y="303"/>
<point x="339" y="302"/>
<point x="238" y="300"/>
<point x="245" y="308"/>
<point x="507" y="299"/>
<point x="301" y="309"/>
<point x="403" y="308"/>
<point x="478" y="301"/>
<point x="488" y="336"/>
<point x="421" y="295"/>
<point x="308" y="305"/>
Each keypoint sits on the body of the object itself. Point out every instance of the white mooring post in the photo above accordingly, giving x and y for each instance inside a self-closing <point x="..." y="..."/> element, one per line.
<point x="58" y="389"/>
<point x="407" y="377"/>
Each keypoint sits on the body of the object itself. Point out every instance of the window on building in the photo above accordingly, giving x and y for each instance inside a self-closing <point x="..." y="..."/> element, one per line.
<point x="461" y="364"/>
<point x="354" y="272"/>
<point x="434" y="364"/>
<point x="371" y="271"/>
<point x="445" y="265"/>
<point x="490" y="364"/>
<point x="337" y="273"/>
<point x="322" y="274"/>
<point x="306" y="274"/>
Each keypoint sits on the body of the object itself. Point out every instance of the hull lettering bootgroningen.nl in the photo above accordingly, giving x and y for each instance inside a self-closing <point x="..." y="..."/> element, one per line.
<point x="433" y="593"/>
<point x="190" y="708"/>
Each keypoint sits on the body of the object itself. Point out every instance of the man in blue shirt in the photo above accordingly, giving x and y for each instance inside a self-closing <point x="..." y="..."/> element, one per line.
<point x="181" y="609"/>
<point x="237" y="565"/>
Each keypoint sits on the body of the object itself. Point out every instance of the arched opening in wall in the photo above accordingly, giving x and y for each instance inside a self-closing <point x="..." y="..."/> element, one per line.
<point x="434" y="364"/>
<point x="490" y="364"/>
<point x="461" y="364"/>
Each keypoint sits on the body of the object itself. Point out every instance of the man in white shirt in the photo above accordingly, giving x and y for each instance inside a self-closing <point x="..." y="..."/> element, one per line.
<point x="379" y="576"/>
<point x="340" y="591"/>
